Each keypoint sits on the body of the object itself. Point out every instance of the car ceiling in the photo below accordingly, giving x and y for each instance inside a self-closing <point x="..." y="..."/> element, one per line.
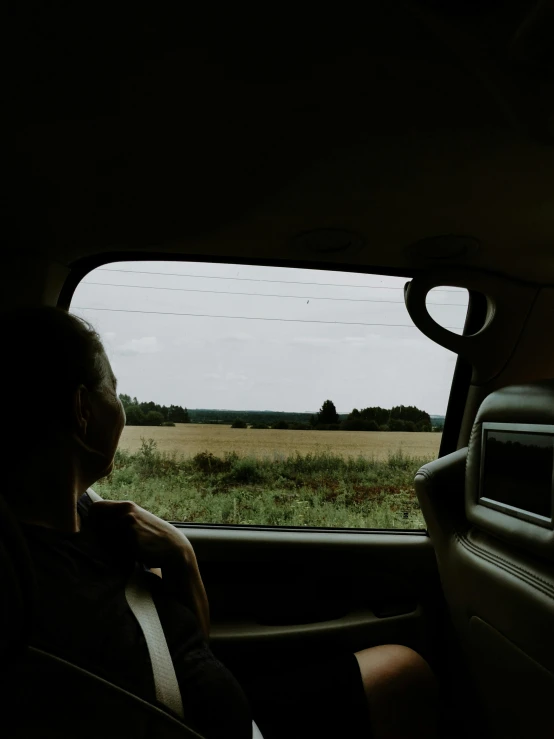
<point x="411" y="137"/>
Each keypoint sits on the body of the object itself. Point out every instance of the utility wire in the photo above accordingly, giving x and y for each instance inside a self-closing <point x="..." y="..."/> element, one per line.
<point x="252" y="279"/>
<point x="260" y="295"/>
<point x="253" y="318"/>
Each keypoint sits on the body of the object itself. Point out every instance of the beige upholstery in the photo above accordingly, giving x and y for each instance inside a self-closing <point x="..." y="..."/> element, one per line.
<point x="497" y="573"/>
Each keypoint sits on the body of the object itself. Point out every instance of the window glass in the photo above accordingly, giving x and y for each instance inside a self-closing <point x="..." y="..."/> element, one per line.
<point x="270" y="396"/>
<point x="443" y="305"/>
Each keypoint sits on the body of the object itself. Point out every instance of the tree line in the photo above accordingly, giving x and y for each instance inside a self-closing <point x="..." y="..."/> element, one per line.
<point x="398" y="418"/>
<point x="375" y="418"/>
<point x="152" y="414"/>
<point x="264" y="418"/>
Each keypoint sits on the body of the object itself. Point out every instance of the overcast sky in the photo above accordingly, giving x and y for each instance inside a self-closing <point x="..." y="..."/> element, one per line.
<point x="293" y="365"/>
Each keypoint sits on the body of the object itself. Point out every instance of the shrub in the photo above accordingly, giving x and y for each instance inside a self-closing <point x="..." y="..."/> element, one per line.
<point x="238" y="423"/>
<point x="151" y="463"/>
<point x="399" y="461"/>
<point x="208" y="463"/>
<point x="122" y="458"/>
<point x="134" y="416"/>
<point x="246" y="470"/>
<point x="148" y="458"/>
<point x="280" y="425"/>
<point x="167" y="423"/>
<point x="358" y="424"/>
<point x="352" y="424"/>
<point x="153" y="418"/>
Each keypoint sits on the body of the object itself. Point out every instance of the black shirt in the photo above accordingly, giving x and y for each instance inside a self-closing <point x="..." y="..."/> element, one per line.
<point x="83" y="616"/>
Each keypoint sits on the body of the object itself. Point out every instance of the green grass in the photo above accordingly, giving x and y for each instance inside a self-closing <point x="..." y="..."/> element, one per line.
<point x="313" y="490"/>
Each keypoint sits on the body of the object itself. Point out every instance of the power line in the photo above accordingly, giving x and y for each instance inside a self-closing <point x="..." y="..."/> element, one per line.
<point x="260" y="295"/>
<point x="253" y="318"/>
<point x="252" y="279"/>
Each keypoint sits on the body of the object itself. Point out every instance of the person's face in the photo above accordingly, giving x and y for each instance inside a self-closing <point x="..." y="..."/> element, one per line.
<point x="106" y="418"/>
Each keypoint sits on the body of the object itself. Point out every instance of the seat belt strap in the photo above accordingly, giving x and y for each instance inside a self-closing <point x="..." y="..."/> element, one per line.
<point x="143" y="607"/>
<point x="144" y="610"/>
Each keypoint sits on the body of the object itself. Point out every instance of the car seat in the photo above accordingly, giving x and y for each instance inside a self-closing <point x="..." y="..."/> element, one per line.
<point x="491" y="520"/>
<point x="44" y="696"/>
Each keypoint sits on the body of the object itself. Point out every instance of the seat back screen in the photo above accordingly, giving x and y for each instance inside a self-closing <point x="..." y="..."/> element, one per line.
<point x="518" y="469"/>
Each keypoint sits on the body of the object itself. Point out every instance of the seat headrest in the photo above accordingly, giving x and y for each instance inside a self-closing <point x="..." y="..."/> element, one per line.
<point x="510" y="467"/>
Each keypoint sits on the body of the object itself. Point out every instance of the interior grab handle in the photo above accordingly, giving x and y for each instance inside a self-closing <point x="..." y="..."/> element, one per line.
<point x="508" y="305"/>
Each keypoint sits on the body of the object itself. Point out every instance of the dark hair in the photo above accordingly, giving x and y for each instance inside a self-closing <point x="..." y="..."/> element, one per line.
<point x="48" y="354"/>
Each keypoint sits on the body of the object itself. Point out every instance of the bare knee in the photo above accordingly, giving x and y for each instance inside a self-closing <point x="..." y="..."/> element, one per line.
<point x="401" y="692"/>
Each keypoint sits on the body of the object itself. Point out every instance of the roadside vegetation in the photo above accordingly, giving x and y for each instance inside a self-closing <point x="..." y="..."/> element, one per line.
<point x="320" y="489"/>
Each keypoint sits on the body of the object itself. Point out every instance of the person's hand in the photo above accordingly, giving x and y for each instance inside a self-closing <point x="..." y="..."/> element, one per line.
<point x="155" y="542"/>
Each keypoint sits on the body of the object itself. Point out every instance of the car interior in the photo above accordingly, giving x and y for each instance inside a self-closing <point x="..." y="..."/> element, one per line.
<point x="409" y="139"/>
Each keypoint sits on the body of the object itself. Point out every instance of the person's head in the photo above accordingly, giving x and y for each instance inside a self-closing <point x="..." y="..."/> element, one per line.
<point x="61" y="405"/>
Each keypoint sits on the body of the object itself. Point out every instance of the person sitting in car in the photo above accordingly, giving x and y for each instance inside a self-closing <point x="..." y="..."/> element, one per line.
<point x="61" y="384"/>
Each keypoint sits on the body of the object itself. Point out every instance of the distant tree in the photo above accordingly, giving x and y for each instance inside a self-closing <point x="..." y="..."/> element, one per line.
<point x="125" y="400"/>
<point x="280" y="425"/>
<point x="410" y="413"/>
<point x="379" y="415"/>
<point x="238" y="423"/>
<point x="358" y="424"/>
<point x="177" y="414"/>
<point x="137" y="412"/>
<point x="352" y="424"/>
<point x="153" y="418"/>
<point x="135" y="417"/>
<point x="399" y="418"/>
<point x="327" y="414"/>
<point x="423" y="426"/>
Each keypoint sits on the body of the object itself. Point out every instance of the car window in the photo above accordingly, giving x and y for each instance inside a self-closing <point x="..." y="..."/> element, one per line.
<point x="270" y="396"/>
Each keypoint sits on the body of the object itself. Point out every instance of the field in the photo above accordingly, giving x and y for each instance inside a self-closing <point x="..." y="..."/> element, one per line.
<point x="189" y="439"/>
<point x="215" y="474"/>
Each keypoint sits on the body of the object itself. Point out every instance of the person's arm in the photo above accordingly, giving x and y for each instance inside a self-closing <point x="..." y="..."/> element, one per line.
<point x="160" y="545"/>
<point x="183" y="580"/>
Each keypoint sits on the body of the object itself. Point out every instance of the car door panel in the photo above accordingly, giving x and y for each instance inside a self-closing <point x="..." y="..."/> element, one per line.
<point x="277" y="588"/>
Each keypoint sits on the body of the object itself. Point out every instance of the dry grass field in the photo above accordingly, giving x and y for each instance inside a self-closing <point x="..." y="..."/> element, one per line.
<point x="190" y="439"/>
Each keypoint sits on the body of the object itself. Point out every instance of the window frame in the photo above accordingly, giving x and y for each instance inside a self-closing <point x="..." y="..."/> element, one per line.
<point x="461" y="379"/>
